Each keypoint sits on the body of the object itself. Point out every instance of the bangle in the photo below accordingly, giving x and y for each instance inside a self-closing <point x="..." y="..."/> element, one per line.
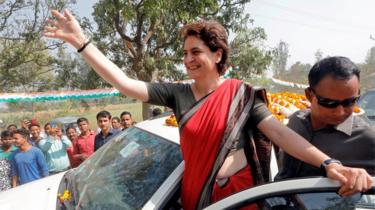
<point x="84" y="46"/>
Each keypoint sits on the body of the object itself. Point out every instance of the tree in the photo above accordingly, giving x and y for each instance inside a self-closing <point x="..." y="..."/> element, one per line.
<point x="318" y="55"/>
<point x="368" y="70"/>
<point x="24" y="60"/>
<point x="297" y="73"/>
<point x="248" y="56"/>
<point x="280" y="58"/>
<point x="142" y="37"/>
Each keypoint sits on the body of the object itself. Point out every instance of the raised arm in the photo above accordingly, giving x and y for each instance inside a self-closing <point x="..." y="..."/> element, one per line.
<point x="66" y="28"/>
<point x="353" y="179"/>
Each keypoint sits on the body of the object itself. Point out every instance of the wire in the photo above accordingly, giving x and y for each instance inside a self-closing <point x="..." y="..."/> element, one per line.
<point x="316" y="16"/>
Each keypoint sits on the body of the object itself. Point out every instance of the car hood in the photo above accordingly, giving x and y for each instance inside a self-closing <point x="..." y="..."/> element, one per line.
<point x="37" y="195"/>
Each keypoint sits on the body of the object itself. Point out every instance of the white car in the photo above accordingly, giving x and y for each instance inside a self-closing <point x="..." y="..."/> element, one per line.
<point x="141" y="168"/>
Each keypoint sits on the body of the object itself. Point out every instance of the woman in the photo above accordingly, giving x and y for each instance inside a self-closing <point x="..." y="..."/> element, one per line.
<point x="210" y="112"/>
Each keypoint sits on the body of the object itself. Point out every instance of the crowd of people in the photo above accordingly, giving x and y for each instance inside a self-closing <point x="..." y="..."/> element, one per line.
<point x="28" y="152"/>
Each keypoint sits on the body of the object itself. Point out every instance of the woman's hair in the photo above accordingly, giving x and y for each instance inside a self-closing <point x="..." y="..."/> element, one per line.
<point x="214" y="35"/>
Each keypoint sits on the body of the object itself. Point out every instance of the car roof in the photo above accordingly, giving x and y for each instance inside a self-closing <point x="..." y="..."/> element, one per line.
<point x="64" y="120"/>
<point x="158" y="127"/>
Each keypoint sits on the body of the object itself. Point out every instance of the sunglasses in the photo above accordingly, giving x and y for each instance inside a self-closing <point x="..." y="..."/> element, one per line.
<point x="330" y="103"/>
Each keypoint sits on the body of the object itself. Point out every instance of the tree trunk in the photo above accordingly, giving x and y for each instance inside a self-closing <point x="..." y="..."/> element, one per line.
<point x="146" y="110"/>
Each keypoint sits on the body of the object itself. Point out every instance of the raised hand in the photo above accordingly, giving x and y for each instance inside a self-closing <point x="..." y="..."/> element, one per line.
<point x="65" y="28"/>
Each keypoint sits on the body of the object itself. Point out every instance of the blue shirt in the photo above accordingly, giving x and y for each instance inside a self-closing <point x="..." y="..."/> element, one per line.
<point x="100" y="140"/>
<point x="28" y="166"/>
<point x="9" y="154"/>
<point x="54" y="150"/>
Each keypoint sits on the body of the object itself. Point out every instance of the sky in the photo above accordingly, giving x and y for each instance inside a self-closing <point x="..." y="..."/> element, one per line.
<point x="335" y="27"/>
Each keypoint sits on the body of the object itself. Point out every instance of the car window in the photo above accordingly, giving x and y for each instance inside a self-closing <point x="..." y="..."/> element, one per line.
<point x="367" y="102"/>
<point x="126" y="172"/>
<point x="313" y="201"/>
<point x="317" y="201"/>
<point x="304" y="193"/>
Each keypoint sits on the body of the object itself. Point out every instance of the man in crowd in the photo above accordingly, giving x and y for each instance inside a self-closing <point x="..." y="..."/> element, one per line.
<point x="330" y="124"/>
<point x="126" y="120"/>
<point x="35" y="134"/>
<point x="47" y="127"/>
<point x="71" y="133"/>
<point x="6" y="151"/>
<point x="83" y="145"/>
<point x="156" y="111"/>
<point x="54" y="148"/>
<point x="12" y="127"/>
<point x="103" y="119"/>
<point x="27" y="162"/>
<point x="116" y="124"/>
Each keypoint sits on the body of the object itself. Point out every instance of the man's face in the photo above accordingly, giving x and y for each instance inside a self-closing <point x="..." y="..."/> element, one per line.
<point x="71" y="134"/>
<point x="83" y="126"/>
<point x="126" y="121"/>
<point x="35" y="132"/>
<point x="104" y="123"/>
<point x="116" y="124"/>
<point x="59" y="131"/>
<point x="331" y="89"/>
<point x="7" y="141"/>
<point x="53" y="130"/>
<point x="47" y="129"/>
<point x="12" y="128"/>
<point x="19" y="140"/>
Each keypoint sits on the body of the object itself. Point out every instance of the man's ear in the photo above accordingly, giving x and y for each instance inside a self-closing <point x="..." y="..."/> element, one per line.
<point x="308" y="93"/>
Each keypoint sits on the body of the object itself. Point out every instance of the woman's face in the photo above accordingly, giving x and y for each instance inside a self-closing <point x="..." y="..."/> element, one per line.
<point x="199" y="61"/>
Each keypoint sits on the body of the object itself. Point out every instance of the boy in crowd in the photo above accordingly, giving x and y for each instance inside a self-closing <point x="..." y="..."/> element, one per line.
<point x="12" y="127"/>
<point x="35" y="134"/>
<point x="54" y="148"/>
<point x="126" y="120"/>
<point x="5" y="157"/>
<point x="116" y="123"/>
<point x="83" y="145"/>
<point x="71" y="133"/>
<point x="104" y="123"/>
<point x="27" y="162"/>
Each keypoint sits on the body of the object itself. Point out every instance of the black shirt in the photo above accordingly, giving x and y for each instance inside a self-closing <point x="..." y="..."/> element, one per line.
<point x="352" y="142"/>
<point x="100" y="140"/>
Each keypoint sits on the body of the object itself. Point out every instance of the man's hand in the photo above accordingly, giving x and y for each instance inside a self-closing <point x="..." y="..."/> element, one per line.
<point x="25" y="124"/>
<point x="353" y="180"/>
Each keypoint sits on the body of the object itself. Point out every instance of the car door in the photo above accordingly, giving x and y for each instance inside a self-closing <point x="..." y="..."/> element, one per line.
<point x="306" y="193"/>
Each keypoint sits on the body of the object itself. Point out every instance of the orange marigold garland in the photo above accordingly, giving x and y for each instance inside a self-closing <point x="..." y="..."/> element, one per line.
<point x="171" y="121"/>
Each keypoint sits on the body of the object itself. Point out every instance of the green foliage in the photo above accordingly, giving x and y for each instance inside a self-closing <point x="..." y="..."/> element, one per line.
<point x="368" y="71"/>
<point x="25" y="64"/>
<point x="248" y="56"/>
<point x="280" y="58"/>
<point x="142" y="37"/>
<point x="297" y="73"/>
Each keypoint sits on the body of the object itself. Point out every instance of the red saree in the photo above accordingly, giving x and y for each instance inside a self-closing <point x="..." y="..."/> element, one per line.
<point x="203" y="136"/>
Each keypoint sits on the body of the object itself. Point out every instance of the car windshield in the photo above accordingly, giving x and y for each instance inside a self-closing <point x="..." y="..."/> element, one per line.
<point x="126" y="172"/>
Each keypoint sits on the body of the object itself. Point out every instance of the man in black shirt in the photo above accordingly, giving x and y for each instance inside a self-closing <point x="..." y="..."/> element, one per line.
<point x="104" y="123"/>
<point x="330" y="124"/>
